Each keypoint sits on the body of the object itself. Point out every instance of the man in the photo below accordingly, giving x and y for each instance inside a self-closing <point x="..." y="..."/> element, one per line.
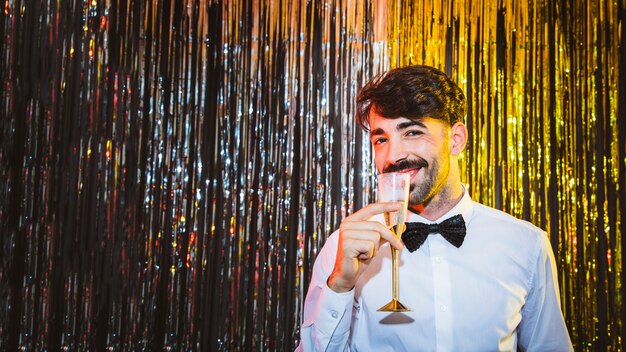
<point x="496" y="291"/>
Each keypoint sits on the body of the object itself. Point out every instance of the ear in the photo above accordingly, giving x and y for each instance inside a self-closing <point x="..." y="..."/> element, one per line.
<point x="458" y="138"/>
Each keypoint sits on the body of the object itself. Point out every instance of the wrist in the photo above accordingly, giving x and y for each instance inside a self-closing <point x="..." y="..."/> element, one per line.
<point x="338" y="285"/>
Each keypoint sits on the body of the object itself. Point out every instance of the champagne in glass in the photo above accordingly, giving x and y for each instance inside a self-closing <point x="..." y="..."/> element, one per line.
<point x="395" y="219"/>
<point x="394" y="187"/>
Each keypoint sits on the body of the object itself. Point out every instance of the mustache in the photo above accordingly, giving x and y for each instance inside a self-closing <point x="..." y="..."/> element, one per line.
<point x="406" y="165"/>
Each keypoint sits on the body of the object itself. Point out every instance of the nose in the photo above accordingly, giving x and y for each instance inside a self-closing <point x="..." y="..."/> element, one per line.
<point x="395" y="153"/>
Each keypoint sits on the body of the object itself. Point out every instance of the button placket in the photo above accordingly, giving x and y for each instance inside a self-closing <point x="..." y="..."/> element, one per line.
<point x="441" y="292"/>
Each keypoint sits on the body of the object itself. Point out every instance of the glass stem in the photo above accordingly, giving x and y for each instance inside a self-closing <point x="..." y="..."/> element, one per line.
<point x="394" y="273"/>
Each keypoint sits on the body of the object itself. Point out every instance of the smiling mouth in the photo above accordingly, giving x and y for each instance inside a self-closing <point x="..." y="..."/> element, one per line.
<point x="412" y="171"/>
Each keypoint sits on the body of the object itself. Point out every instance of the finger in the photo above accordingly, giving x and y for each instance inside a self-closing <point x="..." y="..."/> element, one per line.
<point x="354" y="229"/>
<point x="374" y="209"/>
<point x="362" y="235"/>
<point x="361" y="226"/>
<point x="362" y="249"/>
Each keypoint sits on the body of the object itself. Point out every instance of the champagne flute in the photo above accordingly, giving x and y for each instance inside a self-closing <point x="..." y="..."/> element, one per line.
<point x="394" y="187"/>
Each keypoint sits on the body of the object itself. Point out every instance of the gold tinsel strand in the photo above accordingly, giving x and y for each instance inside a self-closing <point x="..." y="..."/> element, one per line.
<point x="515" y="60"/>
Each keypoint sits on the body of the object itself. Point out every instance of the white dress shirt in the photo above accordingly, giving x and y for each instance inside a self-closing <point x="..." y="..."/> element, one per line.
<point x="497" y="292"/>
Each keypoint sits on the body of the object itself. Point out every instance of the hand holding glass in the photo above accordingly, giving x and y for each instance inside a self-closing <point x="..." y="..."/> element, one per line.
<point x="394" y="187"/>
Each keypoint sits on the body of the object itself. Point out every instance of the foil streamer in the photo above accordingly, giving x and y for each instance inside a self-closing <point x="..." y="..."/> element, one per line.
<point x="170" y="169"/>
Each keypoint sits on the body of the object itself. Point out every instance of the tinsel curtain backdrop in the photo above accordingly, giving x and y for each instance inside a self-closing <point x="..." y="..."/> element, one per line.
<point x="169" y="169"/>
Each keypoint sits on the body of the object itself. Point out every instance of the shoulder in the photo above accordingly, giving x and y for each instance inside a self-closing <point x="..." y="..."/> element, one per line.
<point x="508" y="235"/>
<point x="516" y="243"/>
<point x="501" y="220"/>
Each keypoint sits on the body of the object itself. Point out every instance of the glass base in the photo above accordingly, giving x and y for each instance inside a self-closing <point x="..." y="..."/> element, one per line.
<point x="394" y="306"/>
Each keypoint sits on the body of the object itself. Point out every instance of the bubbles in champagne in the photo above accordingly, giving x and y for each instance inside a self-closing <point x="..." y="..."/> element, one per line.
<point x="395" y="219"/>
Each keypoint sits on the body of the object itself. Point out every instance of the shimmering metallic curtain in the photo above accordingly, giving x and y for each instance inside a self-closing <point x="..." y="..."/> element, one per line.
<point x="548" y="140"/>
<point x="169" y="169"/>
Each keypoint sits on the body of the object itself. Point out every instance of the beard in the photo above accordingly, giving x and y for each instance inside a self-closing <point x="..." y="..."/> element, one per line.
<point x="430" y="182"/>
<point x="433" y="180"/>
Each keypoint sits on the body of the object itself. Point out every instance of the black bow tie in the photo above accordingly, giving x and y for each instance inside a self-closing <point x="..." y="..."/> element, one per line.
<point x="452" y="229"/>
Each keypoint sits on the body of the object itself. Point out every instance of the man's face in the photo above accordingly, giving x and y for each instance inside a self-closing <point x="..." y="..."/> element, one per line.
<point x="419" y="147"/>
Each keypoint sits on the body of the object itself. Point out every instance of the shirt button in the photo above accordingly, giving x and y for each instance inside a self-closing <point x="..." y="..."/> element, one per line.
<point x="334" y="314"/>
<point x="443" y="308"/>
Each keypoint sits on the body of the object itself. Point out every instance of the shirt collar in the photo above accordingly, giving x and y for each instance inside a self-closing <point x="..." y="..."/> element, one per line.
<point x="465" y="207"/>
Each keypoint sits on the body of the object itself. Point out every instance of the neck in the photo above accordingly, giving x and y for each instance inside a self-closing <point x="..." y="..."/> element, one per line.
<point x="447" y="198"/>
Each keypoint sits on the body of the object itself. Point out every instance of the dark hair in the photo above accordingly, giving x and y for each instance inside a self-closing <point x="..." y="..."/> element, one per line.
<point x="412" y="92"/>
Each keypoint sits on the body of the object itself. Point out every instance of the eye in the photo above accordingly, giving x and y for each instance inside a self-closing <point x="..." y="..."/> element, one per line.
<point x="378" y="141"/>
<point x="411" y="133"/>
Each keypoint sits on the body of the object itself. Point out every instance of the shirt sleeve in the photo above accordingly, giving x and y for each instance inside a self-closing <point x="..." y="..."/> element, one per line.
<point x="327" y="314"/>
<point x="542" y="327"/>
